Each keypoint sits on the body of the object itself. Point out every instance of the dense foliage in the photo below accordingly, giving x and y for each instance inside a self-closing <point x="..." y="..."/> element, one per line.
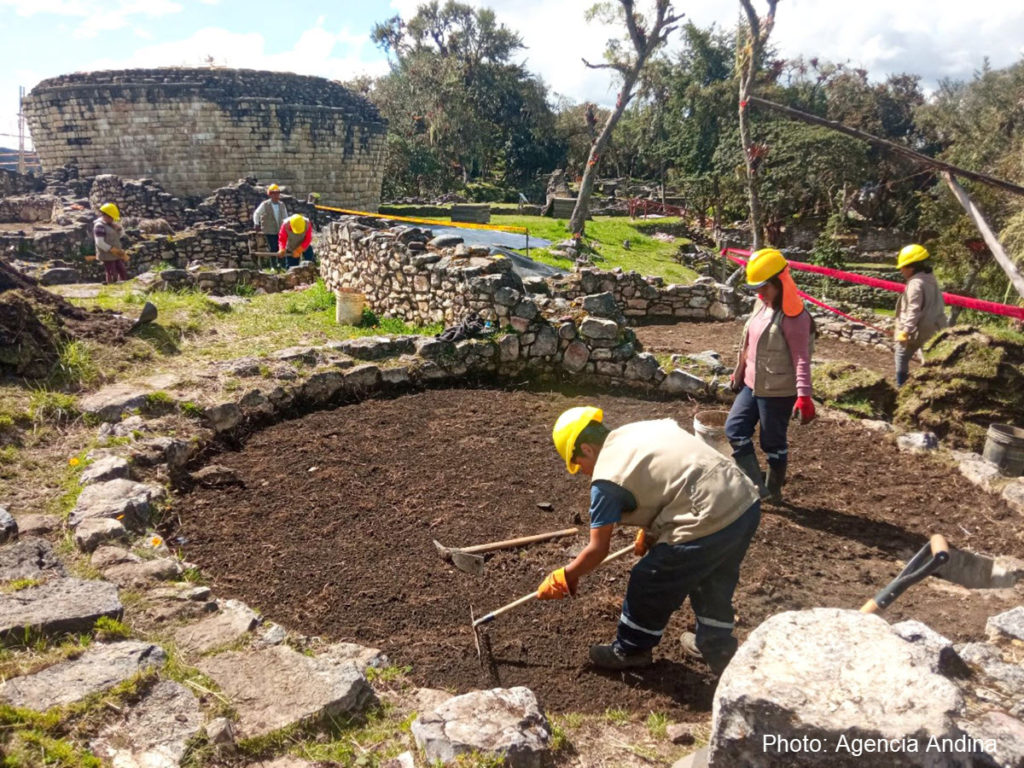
<point x="466" y="116"/>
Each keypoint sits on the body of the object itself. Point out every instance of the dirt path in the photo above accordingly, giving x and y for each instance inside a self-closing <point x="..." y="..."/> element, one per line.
<point x="330" y="533"/>
<point x="724" y="338"/>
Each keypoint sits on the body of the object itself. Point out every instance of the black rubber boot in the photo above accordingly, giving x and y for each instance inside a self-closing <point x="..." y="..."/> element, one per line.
<point x="610" y="657"/>
<point x="775" y="479"/>
<point x="748" y="463"/>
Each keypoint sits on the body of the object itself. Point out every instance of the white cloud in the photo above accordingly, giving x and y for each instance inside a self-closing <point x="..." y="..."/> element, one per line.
<point x="318" y="51"/>
<point x="931" y="38"/>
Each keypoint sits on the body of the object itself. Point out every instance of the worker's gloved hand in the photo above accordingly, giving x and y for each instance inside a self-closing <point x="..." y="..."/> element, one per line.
<point x="805" y="407"/>
<point x="554" y="587"/>
<point x="297" y="253"/>
<point x="117" y="252"/>
<point x="640" y="543"/>
<point x="901" y="337"/>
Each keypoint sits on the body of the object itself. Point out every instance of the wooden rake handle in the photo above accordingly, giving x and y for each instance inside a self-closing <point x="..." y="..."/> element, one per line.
<point x="520" y="541"/>
<point x="533" y="595"/>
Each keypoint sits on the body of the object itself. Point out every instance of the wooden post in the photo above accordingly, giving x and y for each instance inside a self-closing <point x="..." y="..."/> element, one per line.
<point x="991" y="240"/>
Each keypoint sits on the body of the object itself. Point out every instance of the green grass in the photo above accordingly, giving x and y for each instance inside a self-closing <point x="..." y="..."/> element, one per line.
<point x="76" y="366"/>
<point x="616" y="716"/>
<point x="606" y="234"/>
<point x="107" y="628"/>
<point x="657" y="725"/>
<point x="190" y="328"/>
<point x="16" y="585"/>
<point x="47" y="405"/>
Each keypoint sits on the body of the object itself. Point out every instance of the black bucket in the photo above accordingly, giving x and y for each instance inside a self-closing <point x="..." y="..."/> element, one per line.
<point x="1004" y="447"/>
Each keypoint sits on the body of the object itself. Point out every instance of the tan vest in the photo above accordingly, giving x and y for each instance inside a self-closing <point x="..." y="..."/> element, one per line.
<point x="110" y="234"/>
<point x="684" y="488"/>
<point x="932" y="317"/>
<point x="775" y="375"/>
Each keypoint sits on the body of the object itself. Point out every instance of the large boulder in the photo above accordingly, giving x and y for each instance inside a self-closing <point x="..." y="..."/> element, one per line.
<point x="501" y="722"/>
<point x="834" y="687"/>
<point x="971" y="379"/>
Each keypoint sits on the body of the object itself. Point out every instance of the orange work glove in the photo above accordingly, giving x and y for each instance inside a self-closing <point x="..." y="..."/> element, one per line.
<point x="640" y="543"/>
<point x="805" y="407"/>
<point x="901" y="337"/>
<point x="554" y="587"/>
<point x="297" y="253"/>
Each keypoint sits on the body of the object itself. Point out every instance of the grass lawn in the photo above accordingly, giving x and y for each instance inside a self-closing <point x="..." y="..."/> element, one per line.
<point x="606" y="235"/>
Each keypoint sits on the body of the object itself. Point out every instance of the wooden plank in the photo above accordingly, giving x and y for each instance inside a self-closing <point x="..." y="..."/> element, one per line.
<point x="991" y="240"/>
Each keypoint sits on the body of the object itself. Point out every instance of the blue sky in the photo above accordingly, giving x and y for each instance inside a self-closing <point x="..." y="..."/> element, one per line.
<point x="44" y="38"/>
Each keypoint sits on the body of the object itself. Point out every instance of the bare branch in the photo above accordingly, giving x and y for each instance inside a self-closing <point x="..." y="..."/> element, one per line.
<point x="616" y="66"/>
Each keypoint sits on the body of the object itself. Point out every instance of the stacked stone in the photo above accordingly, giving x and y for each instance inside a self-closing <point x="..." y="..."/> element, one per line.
<point x="236" y="203"/>
<point x="226" y="282"/>
<point x="648" y="297"/>
<point x="13" y="183"/>
<point x="142" y="199"/>
<point x="212" y="248"/>
<point x="28" y="209"/>
<point x="196" y="129"/>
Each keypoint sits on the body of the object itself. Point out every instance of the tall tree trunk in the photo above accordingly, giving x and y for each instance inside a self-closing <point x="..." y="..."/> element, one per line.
<point x="577" y="222"/>
<point x="756" y="219"/>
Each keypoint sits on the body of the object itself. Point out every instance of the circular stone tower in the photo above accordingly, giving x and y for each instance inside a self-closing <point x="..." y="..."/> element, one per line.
<point x="194" y="130"/>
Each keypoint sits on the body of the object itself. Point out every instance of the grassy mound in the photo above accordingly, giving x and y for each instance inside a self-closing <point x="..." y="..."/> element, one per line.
<point x="854" y="389"/>
<point x="971" y="378"/>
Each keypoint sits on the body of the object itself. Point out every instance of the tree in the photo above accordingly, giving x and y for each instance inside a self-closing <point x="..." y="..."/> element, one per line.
<point x="748" y="60"/>
<point x="644" y="38"/>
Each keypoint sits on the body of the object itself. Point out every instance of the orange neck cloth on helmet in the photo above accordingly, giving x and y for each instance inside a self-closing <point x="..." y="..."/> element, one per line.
<point x="792" y="304"/>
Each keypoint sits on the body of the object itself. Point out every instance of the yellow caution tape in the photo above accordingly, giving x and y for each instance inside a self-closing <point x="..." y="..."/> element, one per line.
<point x="438" y="222"/>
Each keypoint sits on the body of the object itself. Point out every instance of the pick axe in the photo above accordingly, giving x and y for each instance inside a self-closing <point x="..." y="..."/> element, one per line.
<point x="467" y="558"/>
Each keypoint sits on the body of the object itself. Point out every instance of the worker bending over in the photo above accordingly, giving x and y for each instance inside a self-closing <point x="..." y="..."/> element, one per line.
<point x="696" y="511"/>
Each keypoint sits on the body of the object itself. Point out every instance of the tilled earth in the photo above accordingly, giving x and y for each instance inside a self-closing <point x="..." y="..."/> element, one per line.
<point x="330" y="531"/>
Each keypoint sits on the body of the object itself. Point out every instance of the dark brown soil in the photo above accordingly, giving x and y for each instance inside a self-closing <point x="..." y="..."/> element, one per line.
<point x="724" y="338"/>
<point x="330" y="533"/>
<point x="34" y="323"/>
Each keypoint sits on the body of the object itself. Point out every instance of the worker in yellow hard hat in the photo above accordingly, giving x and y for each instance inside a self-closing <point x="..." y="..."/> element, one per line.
<point x="772" y="378"/>
<point x="106" y="233"/>
<point x="696" y="512"/>
<point x="269" y="216"/>
<point x="293" y="241"/>
<point x="920" y="309"/>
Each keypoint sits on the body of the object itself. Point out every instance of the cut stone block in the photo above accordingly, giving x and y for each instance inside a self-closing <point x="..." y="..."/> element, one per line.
<point x="58" y="606"/>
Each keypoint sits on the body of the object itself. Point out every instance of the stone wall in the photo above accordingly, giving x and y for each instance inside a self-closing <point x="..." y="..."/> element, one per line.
<point x="195" y="130"/>
<point x="28" y="209"/>
<point x="648" y="298"/>
<point x="140" y="198"/>
<point x="225" y="282"/>
<point x="13" y="183"/>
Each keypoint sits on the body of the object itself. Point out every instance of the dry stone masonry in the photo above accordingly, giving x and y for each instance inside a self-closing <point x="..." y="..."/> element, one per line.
<point x="195" y="130"/>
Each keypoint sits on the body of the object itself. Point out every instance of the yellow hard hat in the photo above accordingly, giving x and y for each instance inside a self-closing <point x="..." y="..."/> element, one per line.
<point x="111" y="210"/>
<point x="567" y="430"/>
<point x="910" y="254"/>
<point x="298" y="224"/>
<point x="764" y="265"/>
<point x="273" y="188"/>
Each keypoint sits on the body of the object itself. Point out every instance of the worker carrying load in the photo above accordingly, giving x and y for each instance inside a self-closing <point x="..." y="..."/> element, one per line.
<point x="772" y="379"/>
<point x="293" y="241"/>
<point x="697" y="513"/>
<point x="920" y="309"/>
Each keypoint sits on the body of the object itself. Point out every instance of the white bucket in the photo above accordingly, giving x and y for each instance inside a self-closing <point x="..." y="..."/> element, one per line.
<point x="348" y="309"/>
<point x="709" y="426"/>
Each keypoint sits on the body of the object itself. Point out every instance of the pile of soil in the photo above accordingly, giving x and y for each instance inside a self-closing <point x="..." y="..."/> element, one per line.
<point x="854" y="389"/>
<point x="34" y="323"/>
<point x="330" y="533"/>
<point x="971" y="379"/>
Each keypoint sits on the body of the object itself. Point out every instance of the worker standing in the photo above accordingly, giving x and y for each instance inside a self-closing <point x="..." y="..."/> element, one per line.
<point x="920" y="310"/>
<point x="106" y="232"/>
<point x="293" y="241"/>
<point x="772" y="379"/>
<point x="270" y="215"/>
<point x="697" y="513"/>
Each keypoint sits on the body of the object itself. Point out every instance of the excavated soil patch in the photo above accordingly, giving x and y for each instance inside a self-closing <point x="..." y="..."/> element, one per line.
<point x="724" y="338"/>
<point x="329" y="532"/>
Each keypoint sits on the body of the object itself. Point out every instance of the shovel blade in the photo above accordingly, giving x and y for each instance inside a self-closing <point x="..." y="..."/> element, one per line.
<point x="473" y="564"/>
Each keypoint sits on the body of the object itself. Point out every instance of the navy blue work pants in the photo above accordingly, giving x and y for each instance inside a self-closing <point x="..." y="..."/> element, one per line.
<point x="707" y="570"/>
<point x="774" y="415"/>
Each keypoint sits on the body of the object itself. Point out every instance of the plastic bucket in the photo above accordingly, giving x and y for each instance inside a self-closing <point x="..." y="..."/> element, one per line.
<point x="709" y="426"/>
<point x="348" y="309"/>
<point x="1004" y="447"/>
